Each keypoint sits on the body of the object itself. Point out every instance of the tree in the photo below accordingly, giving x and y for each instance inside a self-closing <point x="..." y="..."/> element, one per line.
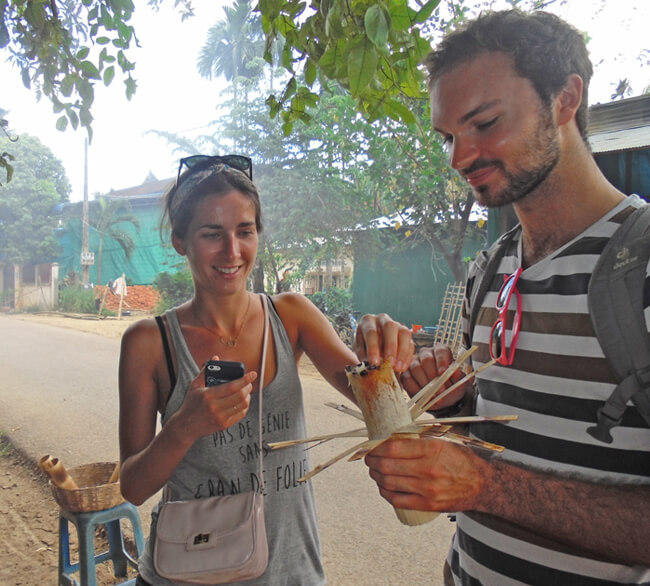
<point x="108" y="216"/>
<point x="372" y="49"/>
<point x="63" y="48"/>
<point x="233" y="50"/>
<point x="27" y="220"/>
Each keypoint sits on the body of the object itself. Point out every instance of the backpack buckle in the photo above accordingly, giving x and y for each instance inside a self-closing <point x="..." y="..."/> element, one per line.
<point x="600" y="431"/>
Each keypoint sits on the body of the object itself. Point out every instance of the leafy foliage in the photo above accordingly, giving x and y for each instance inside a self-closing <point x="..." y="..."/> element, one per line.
<point x="370" y="48"/>
<point x="77" y="299"/>
<point x="27" y="221"/>
<point x="63" y="49"/>
<point x="174" y="289"/>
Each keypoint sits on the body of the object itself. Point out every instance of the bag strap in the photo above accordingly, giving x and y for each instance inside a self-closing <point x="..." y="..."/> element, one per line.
<point x="262" y="368"/>
<point x="166" y="494"/>
<point x="616" y="308"/>
<point x="168" y="354"/>
<point x="481" y="273"/>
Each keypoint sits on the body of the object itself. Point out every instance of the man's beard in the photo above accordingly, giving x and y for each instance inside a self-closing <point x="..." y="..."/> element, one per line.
<point x="544" y="151"/>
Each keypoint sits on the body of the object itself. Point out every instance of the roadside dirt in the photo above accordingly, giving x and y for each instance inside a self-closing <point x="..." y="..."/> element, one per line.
<point x="28" y="511"/>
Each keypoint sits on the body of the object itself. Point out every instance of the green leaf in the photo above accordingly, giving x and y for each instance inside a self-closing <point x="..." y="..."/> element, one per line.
<point x="82" y="53"/>
<point x="131" y="86"/>
<point x="401" y="15"/>
<point x="109" y="74"/>
<point x="376" y="26"/>
<point x="311" y="71"/>
<point x="85" y="117"/>
<point x="289" y="90"/>
<point x="74" y="119"/>
<point x="102" y="40"/>
<point x="362" y="65"/>
<point x="333" y="27"/>
<point x="89" y="69"/>
<point x="287" y="58"/>
<point x="62" y="123"/>
<point x="35" y="14"/>
<point x="398" y="111"/>
<point x="274" y="106"/>
<point x="67" y="85"/>
<point x="426" y="11"/>
<point x="4" y="35"/>
<point x="85" y="90"/>
<point x="126" y="32"/>
<point x="27" y="82"/>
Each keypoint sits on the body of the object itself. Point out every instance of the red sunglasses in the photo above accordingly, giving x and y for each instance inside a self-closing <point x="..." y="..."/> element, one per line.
<point x="498" y="347"/>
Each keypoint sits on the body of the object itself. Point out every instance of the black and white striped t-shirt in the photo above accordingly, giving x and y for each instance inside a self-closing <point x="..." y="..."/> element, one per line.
<point x="558" y="380"/>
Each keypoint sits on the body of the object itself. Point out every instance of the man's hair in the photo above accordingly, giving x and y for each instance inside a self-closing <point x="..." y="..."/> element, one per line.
<point x="544" y="48"/>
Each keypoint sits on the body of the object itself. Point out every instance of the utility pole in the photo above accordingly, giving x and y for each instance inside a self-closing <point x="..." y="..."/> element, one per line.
<point x="85" y="255"/>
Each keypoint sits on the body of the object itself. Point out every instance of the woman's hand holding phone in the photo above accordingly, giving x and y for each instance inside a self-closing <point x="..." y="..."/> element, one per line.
<point x="218" y="397"/>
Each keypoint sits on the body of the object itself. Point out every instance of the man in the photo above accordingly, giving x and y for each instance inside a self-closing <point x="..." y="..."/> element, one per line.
<point x="509" y="97"/>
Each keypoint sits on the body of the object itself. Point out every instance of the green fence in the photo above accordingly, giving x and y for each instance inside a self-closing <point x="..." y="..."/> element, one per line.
<point x="149" y="258"/>
<point x="408" y="284"/>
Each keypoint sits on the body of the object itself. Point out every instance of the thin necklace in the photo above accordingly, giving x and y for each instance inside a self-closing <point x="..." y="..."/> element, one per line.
<point x="232" y="342"/>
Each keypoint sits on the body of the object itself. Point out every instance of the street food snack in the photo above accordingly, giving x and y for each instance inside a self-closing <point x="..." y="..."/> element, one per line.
<point x="385" y="411"/>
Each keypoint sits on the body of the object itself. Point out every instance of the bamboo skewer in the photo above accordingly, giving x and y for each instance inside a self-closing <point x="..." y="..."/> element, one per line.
<point x="331" y="461"/>
<point x="115" y="475"/>
<point x="421" y="409"/>
<point x="346" y="410"/>
<point x="465" y="419"/>
<point x="429" y="390"/>
<point x="360" y="432"/>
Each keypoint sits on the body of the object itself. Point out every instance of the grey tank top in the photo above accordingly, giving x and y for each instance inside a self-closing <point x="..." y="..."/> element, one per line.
<point x="227" y="462"/>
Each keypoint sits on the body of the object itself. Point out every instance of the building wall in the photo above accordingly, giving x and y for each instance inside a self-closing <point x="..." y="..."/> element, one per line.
<point x="408" y="284"/>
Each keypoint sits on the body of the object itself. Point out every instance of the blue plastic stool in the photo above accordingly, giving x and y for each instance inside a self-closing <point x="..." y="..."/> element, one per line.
<point x="85" y="524"/>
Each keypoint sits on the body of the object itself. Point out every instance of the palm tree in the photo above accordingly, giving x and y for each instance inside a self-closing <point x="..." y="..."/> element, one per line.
<point x="234" y="49"/>
<point x="107" y="217"/>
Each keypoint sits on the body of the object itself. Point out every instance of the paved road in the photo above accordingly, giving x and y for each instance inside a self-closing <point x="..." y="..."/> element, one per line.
<point x="58" y="396"/>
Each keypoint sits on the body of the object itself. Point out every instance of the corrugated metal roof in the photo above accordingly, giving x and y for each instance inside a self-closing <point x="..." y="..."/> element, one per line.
<point x="620" y="140"/>
<point x="620" y="126"/>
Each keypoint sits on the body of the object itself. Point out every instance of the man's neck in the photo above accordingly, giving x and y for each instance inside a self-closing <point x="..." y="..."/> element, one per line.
<point x="574" y="196"/>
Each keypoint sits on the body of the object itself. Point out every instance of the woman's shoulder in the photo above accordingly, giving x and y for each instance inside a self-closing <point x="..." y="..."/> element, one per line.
<point x="141" y="331"/>
<point x="291" y="304"/>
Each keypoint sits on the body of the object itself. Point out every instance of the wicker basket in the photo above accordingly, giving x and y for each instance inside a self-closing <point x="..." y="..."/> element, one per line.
<point x="93" y="494"/>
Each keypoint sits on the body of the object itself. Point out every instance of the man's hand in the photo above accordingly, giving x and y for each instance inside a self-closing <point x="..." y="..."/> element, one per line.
<point x="428" y="364"/>
<point x="428" y="474"/>
<point x="379" y="336"/>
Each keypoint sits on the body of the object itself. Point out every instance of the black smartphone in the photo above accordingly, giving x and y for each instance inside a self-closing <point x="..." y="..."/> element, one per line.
<point x="218" y="372"/>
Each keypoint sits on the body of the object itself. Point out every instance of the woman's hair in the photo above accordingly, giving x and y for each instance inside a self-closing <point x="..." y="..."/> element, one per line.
<point x="193" y="185"/>
<point x="544" y="49"/>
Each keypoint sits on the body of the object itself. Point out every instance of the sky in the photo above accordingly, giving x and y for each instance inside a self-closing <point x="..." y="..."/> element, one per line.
<point x="172" y="97"/>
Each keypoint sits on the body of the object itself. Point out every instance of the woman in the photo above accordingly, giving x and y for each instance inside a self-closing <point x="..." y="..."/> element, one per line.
<point x="208" y="441"/>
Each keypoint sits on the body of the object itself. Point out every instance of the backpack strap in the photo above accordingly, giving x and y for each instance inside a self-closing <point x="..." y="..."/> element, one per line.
<point x="481" y="272"/>
<point x="616" y="308"/>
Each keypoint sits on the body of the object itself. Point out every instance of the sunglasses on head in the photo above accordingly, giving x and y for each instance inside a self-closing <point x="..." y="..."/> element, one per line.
<point x="196" y="162"/>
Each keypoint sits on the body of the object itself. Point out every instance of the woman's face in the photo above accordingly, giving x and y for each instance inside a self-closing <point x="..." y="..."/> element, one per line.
<point x="221" y="242"/>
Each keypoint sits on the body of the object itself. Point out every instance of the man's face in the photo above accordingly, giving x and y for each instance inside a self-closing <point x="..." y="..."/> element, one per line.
<point x="500" y="136"/>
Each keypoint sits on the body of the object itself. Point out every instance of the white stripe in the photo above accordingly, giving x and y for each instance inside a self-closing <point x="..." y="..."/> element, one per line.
<point x="625" y="438"/>
<point x="563" y="266"/>
<point x="562" y="345"/>
<point x="544" y="303"/>
<point x="550" y="385"/>
<point x="563" y="562"/>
